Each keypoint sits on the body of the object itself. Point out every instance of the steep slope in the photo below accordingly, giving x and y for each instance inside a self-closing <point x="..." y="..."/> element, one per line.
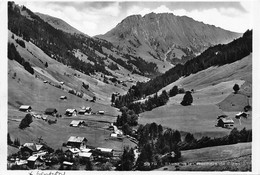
<point x="59" y="24"/>
<point x="85" y="54"/>
<point x="165" y="37"/>
<point x="213" y="96"/>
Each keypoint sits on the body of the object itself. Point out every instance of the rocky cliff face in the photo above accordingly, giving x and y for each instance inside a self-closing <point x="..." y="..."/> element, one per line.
<point x="166" y="37"/>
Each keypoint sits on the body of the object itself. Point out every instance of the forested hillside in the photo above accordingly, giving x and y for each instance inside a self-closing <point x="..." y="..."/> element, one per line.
<point x="214" y="56"/>
<point x="62" y="46"/>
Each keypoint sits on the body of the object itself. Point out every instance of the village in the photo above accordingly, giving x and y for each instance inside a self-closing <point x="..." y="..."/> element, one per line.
<point x="75" y="152"/>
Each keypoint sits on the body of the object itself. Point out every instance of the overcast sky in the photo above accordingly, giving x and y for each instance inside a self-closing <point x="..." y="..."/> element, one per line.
<point x="93" y="18"/>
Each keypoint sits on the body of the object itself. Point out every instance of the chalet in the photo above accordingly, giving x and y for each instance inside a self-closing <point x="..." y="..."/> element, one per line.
<point x="86" y="155"/>
<point x="86" y="110"/>
<point x="63" y="97"/>
<point x="101" y="112"/>
<point x="225" y="122"/>
<point x="75" y="141"/>
<point x="32" y="148"/>
<point x="25" y="108"/>
<point x="51" y="111"/>
<point x="71" y="112"/>
<point x="76" y="123"/>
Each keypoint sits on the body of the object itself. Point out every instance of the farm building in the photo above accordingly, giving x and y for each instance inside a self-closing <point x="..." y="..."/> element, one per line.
<point x="71" y="112"/>
<point x="86" y="110"/>
<point x="225" y="122"/>
<point x="101" y="112"/>
<point x="76" y="123"/>
<point x="86" y="155"/>
<point x="63" y="97"/>
<point x="51" y="111"/>
<point x="75" y="141"/>
<point x="106" y="151"/>
<point x="25" y="108"/>
<point x="241" y="114"/>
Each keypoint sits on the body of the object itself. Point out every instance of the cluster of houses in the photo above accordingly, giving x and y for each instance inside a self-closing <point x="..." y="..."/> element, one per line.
<point x="37" y="155"/>
<point x="68" y="112"/>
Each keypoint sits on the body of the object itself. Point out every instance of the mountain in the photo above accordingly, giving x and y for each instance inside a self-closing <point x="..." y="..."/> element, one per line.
<point x="81" y="52"/>
<point x="166" y="38"/>
<point x="218" y="55"/>
<point x="59" y="24"/>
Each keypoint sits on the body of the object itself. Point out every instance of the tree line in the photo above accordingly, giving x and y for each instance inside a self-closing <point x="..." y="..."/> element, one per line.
<point x="214" y="56"/>
<point x="13" y="54"/>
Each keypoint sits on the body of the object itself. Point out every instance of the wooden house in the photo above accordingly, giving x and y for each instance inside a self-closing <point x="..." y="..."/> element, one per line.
<point x="77" y="142"/>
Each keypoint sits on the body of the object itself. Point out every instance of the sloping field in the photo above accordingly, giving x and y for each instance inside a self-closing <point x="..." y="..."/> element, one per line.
<point x="55" y="134"/>
<point x="57" y="72"/>
<point x="213" y="96"/>
<point x="235" y="157"/>
<point x="239" y="70"/>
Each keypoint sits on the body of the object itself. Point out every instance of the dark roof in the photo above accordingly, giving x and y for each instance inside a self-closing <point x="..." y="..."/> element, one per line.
<point x="50" y="110"/>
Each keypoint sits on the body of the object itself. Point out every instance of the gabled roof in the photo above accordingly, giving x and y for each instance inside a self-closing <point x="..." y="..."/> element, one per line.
<point x="33" y="146"/>
<point x="85" y="154"/>
<point x="25" y="107"/>
<point x="74" y="150"/>
<point x="76" y="122"/>
<point x="105" y="149"/>
<point x="71" y="110"/>
<point x="85" y="150"/>
<point x="76" y="139"/>
<point x="32" y="158"/>
<point x="227" y="120"/>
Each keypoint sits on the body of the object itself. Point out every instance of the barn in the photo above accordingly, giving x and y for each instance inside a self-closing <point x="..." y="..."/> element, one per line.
<point x="25" y="108"/>
<point x="71" y="112"/>
<point x="225" y="122"/>
<point x="51" y="111"/>
<point x="76" y="123"/>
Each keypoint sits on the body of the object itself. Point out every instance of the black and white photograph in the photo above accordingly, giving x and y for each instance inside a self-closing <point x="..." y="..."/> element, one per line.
<point x="99" y="86"/>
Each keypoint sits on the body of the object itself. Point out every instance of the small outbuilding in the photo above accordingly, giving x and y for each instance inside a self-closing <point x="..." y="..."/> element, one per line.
<point x="25" y="108"/>
<point x="241" y="114"/>
<point x="51" y="111"/>
<point x="101" y="112"/>
<point x="63" y="97"/>
<point x="71" y="112"/>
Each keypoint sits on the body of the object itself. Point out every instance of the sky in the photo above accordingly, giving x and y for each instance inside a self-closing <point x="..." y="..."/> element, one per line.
<point x="98" y="17"/>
